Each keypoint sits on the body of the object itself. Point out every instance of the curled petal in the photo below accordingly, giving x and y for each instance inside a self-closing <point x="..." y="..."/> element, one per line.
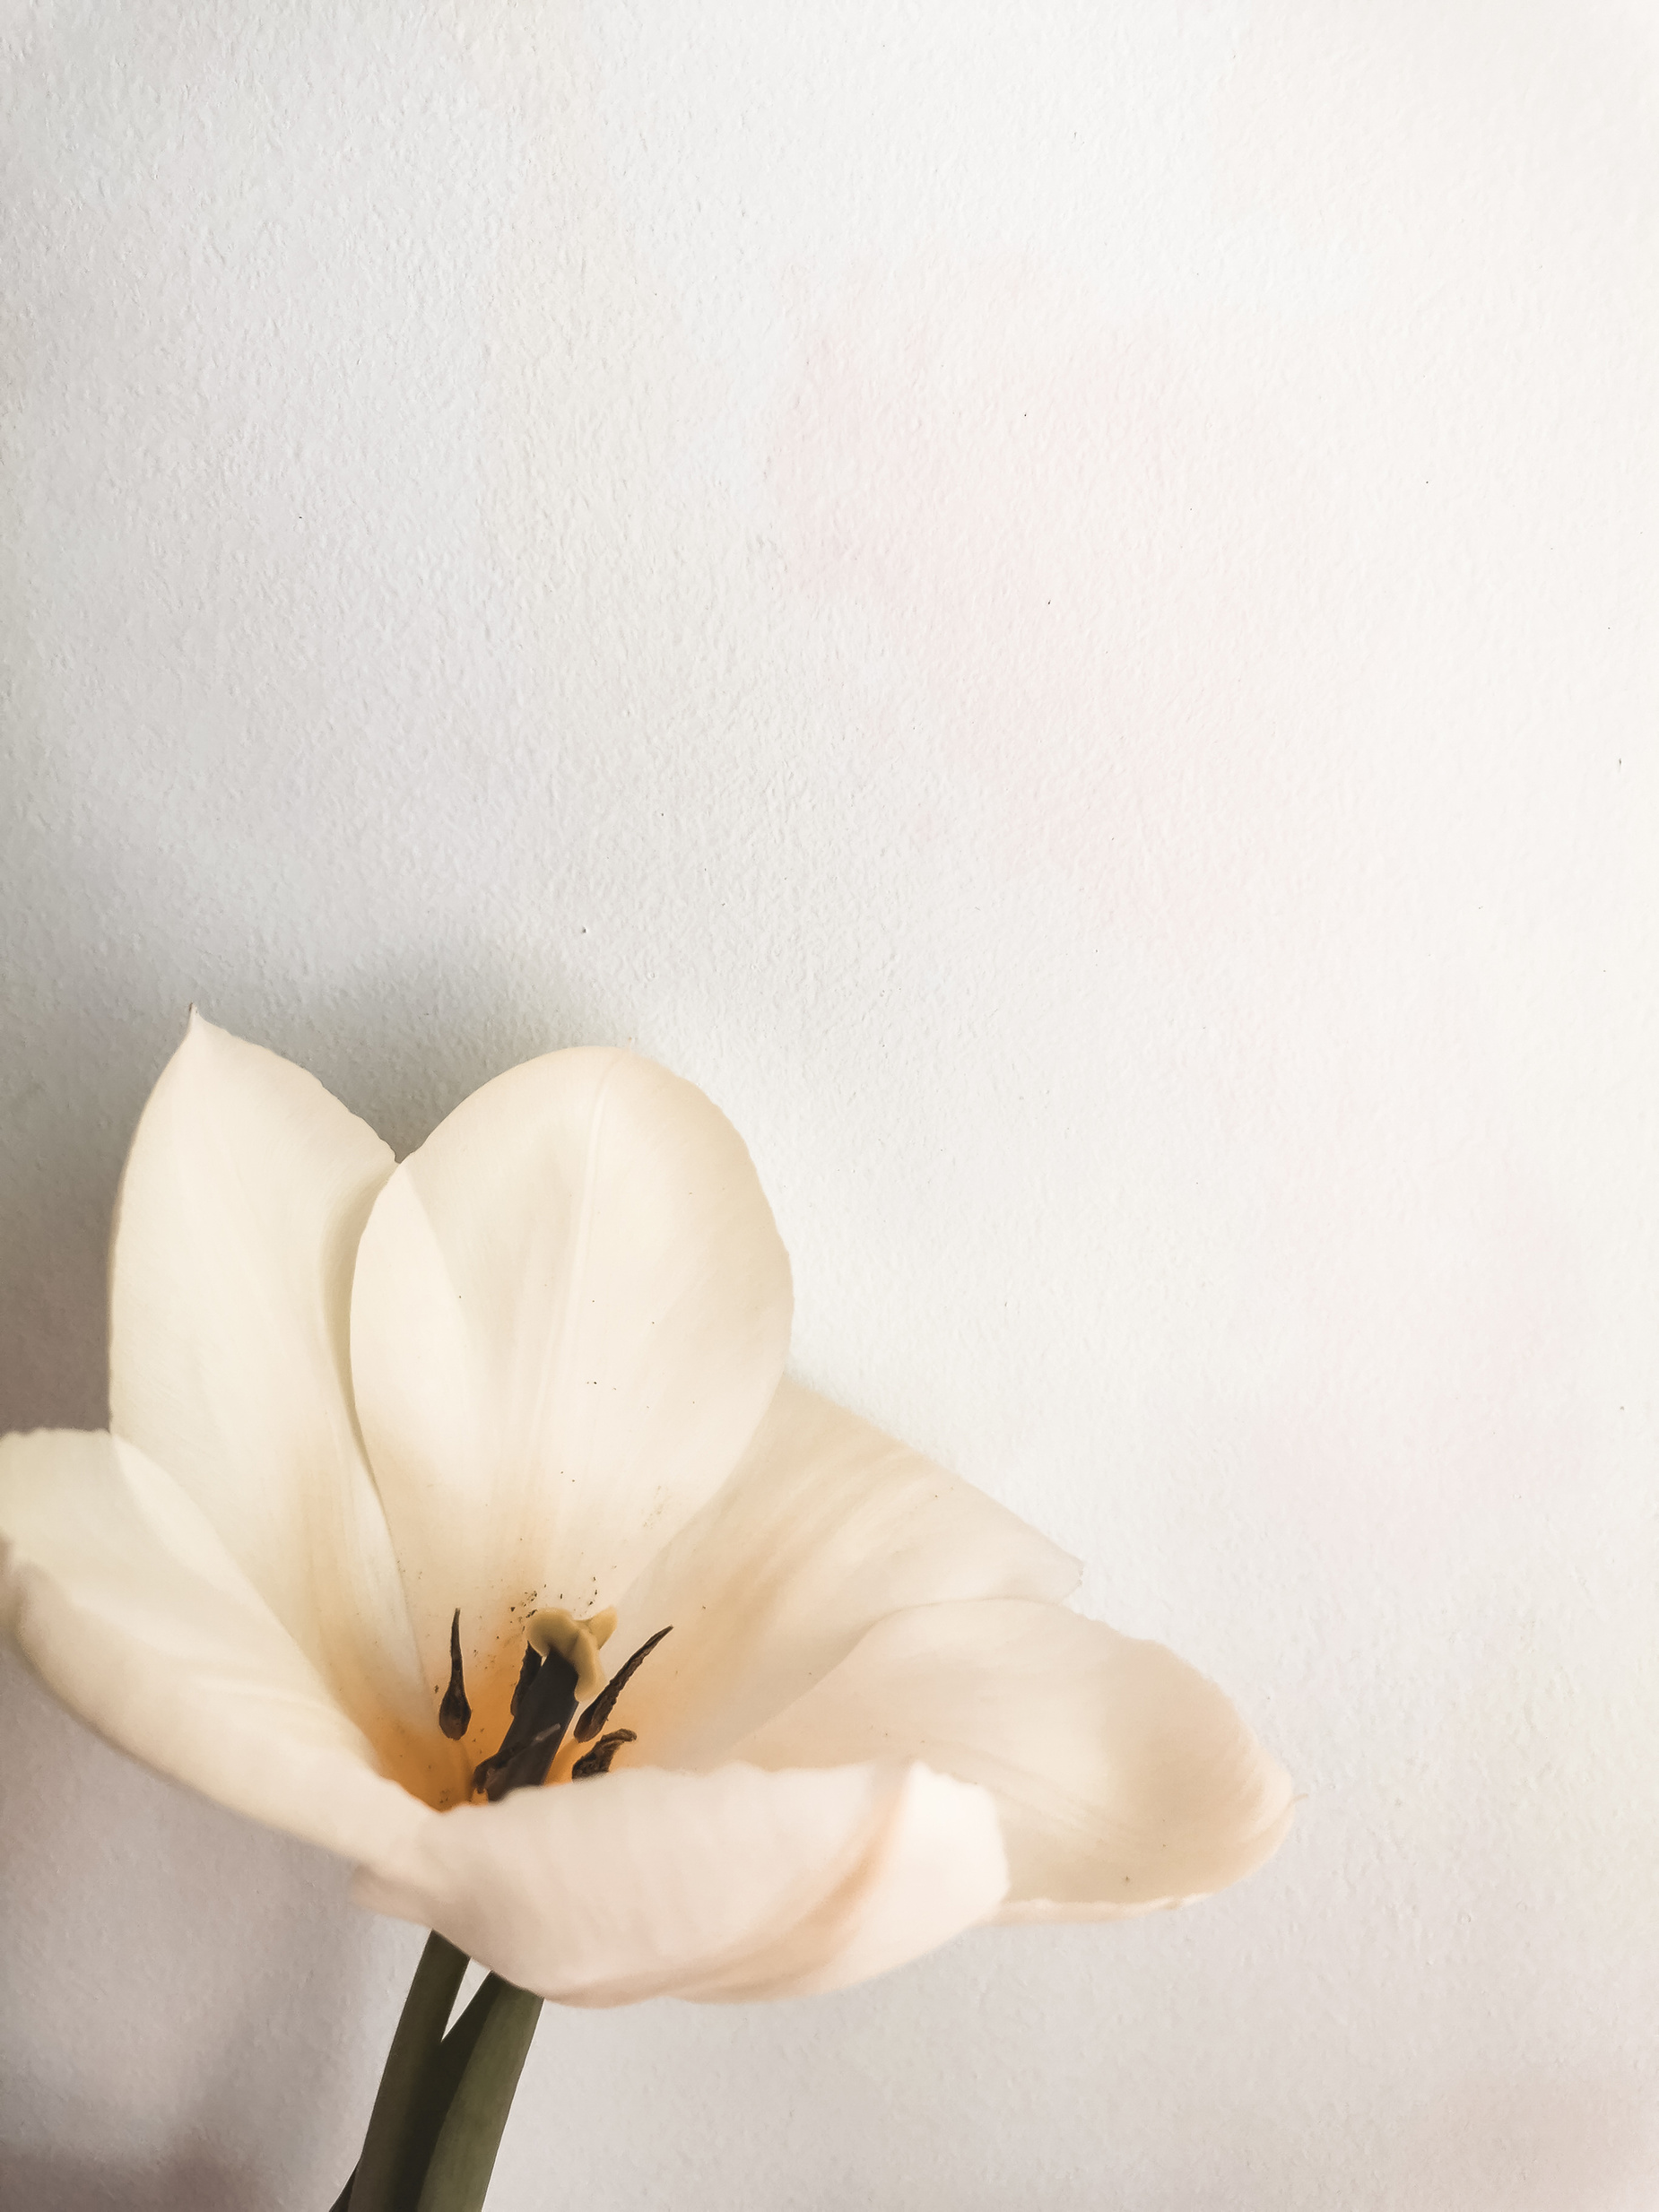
<point x="1123" y="1778"/>
<point x="571" y="1311"/>
<point x="826" y="1526"/>
<point x="245" y="1194"/>
<point x="718" y="1887"/>
<point x="123" y="1599"/>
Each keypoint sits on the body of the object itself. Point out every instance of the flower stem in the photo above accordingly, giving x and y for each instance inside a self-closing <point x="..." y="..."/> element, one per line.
<point x="484" y="2077"/>
<point x="443" y="2100"/>
<point x="407" y="2084"/>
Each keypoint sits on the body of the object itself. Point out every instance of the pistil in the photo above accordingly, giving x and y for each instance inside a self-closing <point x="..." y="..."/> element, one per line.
<point x="543" y="1705"/>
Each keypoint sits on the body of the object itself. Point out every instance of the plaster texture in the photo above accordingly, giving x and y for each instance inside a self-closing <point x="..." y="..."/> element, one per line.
<point x="1054" y="604"/>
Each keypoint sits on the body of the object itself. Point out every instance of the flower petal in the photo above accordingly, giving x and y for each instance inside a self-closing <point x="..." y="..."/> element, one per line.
<point x="718" y="1887"/>
<point x="118" y="1592"/>
<point x="825" y="1526"/>
<point x="1123" y="1778"/>
<point x="571" y="1309"/>
<point x="244" y="1196"/>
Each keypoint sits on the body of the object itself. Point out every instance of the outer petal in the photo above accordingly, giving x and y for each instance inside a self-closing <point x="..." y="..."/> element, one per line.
<point x="571" y="1309"/>
<point x="120" y="1595"/>
<point x="1123" y="1778"/>
<point x="246" y="1190"/>
<point x="719" y="1887"/>
<point x="826" y="1525"/>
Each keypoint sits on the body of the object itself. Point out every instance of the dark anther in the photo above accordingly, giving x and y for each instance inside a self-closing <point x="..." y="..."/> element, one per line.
<point x="454" y="1712"/>
<point x="599" y="1711"/>
<point x="527" y="1673"/>
<point x="598" y="1760"/>
<point x="541" y="1709"/>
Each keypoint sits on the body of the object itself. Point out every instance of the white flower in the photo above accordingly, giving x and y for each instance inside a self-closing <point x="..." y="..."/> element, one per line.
<point x="530" y="1374"/>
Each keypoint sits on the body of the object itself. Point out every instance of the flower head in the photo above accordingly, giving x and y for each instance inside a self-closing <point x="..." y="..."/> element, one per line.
<point x="397" y="1451"/>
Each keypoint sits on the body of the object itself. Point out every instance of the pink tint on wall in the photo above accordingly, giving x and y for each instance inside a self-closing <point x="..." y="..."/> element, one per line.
<point x="1084" y="540"/>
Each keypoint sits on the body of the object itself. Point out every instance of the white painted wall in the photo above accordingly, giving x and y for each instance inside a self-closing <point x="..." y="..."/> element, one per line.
<point x="1054" y="603"/>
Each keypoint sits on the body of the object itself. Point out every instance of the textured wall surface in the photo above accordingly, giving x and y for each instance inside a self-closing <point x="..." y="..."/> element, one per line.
<point x="1054" y="603"/>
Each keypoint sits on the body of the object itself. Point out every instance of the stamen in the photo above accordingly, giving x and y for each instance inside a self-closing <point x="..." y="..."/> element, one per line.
<point x="455" y="1713"/>
<point x="543" y="1708"/>
<point x="526" y="1674"/>
<point x="598" y="1760"/>
<point x="599" y="1711"/>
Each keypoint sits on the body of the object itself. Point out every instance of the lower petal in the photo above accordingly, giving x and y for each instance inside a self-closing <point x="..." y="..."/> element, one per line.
<point x="718" y="1887"/>
<point x="1124" y="1780"/>
<point x="117" y="1592"/>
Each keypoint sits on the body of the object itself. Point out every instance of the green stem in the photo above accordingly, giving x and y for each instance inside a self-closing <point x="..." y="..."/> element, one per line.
<point x="485" y="2069"/>
<point x="444" y="2099"/>
<point x="381" y="2183"/>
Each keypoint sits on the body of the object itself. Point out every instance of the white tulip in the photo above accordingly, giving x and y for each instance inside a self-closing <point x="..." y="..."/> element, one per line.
<point x="533" y="1375"/>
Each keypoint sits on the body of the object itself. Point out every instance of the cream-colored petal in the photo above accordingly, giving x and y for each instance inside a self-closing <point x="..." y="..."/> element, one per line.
<point x="1124" y="1780"/>
<point x="118" y="1592"/>
<point x="571" y="1309"/>
<point x="826" y="1526"/>
<point x="245" y="1194"/>
<point x="719" y="1887"/>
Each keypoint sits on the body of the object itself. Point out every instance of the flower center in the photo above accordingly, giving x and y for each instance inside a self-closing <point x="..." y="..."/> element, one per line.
<point x="560" y="1670"/>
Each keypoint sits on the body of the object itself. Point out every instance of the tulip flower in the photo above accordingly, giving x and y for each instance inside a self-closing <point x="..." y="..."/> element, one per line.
<point x="402" y="1457"/>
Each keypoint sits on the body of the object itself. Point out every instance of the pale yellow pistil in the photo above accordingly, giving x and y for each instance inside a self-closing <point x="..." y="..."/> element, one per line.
<point x="577" y="1642"/>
